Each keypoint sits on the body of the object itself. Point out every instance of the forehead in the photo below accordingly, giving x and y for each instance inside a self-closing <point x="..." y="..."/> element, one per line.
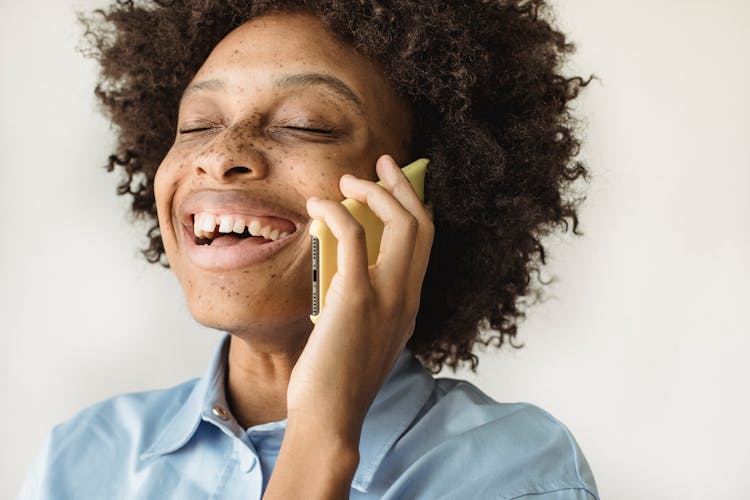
<point x="266" y="48"/>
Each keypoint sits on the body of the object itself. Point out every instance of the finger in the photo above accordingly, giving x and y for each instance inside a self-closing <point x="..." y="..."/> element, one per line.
<point x="398" y="184"/>
<point x="351" y="251"/>
<point x="395" y="180"/>
<point x="399" y="232"/>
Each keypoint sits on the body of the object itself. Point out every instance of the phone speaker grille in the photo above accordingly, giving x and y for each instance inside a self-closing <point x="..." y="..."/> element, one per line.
<point x="315" y="276"/>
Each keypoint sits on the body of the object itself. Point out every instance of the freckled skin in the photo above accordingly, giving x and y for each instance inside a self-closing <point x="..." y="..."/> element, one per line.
<point x="270" y="300"/>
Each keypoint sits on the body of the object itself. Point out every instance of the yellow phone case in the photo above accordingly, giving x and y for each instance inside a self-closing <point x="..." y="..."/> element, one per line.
<point x="324" y="244"/>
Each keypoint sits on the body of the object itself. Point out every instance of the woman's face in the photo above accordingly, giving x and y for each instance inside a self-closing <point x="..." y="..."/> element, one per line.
<point x="278" y="112"/>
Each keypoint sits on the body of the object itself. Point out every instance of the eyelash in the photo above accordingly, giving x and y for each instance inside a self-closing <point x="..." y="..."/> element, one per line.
<point x="303" y="129"/>
<point x="312" y="130"/>
<point x="190" y="131"/>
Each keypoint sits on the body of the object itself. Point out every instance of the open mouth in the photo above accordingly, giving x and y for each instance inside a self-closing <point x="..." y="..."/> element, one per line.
<point x="228" y="229"/>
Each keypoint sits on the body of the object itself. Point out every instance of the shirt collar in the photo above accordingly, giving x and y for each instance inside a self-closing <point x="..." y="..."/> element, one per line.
<point x="178" y="431"/>
<point x="402" y="396"/>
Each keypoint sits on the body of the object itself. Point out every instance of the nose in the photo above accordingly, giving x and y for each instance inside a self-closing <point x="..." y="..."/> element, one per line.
<point x="231" y="156"/>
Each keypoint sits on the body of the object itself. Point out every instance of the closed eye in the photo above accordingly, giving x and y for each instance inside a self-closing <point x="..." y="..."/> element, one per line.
<point x="191" y="130"/>
<point x="312" y="130"/>
<point x="195" y="126"/>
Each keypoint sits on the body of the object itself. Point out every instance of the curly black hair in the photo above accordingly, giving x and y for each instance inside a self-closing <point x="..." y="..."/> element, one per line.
<point x="492" y="113"/>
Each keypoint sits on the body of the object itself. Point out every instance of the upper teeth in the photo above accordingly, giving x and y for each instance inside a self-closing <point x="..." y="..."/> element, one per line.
<point x="204" y="226"/>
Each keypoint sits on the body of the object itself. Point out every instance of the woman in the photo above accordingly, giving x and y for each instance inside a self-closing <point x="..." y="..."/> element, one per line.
<point x="239" y="124"/>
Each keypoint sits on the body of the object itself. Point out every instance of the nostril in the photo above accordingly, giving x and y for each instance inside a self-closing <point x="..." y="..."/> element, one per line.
<point x="238" y="170"/>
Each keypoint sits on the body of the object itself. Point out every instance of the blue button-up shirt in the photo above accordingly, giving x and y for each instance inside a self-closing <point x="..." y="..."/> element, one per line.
<point x="423" y="438"/>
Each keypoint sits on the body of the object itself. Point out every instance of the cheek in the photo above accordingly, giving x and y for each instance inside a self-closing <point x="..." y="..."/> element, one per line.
<point x="161" y="183"/>
<point x="321" y="184"/>
<point x="166" y="182"/>
<point x="322" y="180"/>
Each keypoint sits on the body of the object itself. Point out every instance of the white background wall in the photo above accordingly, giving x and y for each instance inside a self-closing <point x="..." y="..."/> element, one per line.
<point x="641" y="351"/>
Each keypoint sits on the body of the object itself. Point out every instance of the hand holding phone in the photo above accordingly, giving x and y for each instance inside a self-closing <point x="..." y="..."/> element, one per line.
<point x="369" y="316"/>
<point x="324" y="244"/>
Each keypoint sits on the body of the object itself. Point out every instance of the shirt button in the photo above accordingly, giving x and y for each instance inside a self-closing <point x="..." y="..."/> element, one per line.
<point x="220" y="412"/>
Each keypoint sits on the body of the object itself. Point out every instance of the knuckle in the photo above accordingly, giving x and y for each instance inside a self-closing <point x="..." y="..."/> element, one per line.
<point x="354" y="232"/>
<point x="412" y="304"/>
<point x="402" y="186"/>
<point x="411" y="224"/>
<point x="429" y="228"/>
<point x="360" y="298"/>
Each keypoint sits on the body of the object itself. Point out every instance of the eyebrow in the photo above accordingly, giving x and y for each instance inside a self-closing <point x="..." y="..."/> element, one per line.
<point x="215" y="85"/>
<point x="332" y="83"/>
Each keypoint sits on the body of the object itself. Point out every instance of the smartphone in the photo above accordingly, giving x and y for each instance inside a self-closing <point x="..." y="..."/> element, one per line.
<point x="324" y="244"/>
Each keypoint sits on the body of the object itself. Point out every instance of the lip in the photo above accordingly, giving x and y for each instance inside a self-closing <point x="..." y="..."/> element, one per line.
<point x="246" y="252"/>
<point x="220" y="202"/>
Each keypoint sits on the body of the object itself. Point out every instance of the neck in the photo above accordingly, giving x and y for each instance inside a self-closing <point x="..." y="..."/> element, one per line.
<point x="259" y="368"/>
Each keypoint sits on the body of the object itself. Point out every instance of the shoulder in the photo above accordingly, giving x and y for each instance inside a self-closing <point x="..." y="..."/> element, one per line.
<point x="88" y="448"/>
<point x="130" y="418"/>
<point x="476" y="447"/>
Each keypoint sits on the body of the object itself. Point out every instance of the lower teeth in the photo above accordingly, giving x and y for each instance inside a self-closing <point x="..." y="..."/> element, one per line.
<point x="208" y="241"/>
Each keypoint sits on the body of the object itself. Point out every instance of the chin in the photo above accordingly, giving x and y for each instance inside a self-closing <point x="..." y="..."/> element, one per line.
<point x="233" y="311"/>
